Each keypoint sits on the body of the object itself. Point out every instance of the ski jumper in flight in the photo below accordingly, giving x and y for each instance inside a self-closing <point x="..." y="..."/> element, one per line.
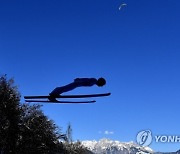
<point x="78" y="82"/>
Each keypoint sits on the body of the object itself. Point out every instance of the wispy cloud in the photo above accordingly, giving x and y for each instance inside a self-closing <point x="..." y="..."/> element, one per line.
<point x="106" y="132"/>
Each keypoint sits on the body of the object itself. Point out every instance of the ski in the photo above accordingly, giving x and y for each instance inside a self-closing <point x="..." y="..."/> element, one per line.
<point x="61" y="102"/>
<point x="69" y="96"/>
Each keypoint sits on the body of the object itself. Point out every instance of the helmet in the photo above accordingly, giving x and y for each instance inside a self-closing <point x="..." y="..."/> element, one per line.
<point x="101" y="82"/>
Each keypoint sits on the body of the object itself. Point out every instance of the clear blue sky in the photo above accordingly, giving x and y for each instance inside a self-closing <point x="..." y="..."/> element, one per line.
<point x="48" y="43"/>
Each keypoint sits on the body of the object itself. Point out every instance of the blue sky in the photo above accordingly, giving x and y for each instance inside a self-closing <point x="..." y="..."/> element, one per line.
<point x="48" y="43"/>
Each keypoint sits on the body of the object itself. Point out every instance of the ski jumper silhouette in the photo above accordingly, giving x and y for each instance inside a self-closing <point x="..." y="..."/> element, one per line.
<point x="78" y="82"/>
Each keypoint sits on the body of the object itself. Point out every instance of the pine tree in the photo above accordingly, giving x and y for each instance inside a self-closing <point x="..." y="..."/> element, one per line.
<point x="69" y="133"/>
<point x="24" y="128"/>
<point x="9" y="115"/>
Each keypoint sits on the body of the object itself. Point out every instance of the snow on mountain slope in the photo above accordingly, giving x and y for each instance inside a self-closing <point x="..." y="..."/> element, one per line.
<point x="106" y="146"/>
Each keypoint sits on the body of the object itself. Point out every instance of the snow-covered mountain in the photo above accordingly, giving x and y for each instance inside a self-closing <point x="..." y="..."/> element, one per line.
<point x="106" y="146"/>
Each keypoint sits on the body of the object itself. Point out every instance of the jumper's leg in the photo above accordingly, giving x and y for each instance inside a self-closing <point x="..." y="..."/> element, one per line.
<point x="59" y="90"/>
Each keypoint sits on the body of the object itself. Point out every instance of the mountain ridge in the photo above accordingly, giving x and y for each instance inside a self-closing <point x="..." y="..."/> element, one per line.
<point x="107" y="146"/>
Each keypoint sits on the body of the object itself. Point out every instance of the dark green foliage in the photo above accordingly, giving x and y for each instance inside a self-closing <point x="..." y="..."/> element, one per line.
<point x="9" y="115"/>
<point x="38" y="134"/>
<point x="24" y="128"/>
<point x="75" y="148"/>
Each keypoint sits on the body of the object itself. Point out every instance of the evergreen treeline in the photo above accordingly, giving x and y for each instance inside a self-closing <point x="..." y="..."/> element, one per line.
<point x="24" y="129"/>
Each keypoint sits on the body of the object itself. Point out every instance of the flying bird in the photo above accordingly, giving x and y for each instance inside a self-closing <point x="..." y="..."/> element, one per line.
<point x="122" y="5"/>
